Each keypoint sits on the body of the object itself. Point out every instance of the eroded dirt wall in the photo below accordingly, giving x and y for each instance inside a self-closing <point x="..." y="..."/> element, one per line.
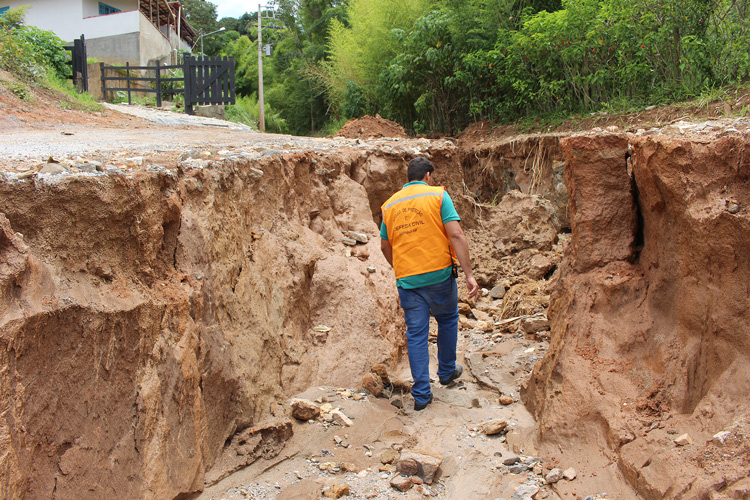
<point x="148" y="318"/>
<point x="531" y="164"/>
<point x="649" y="313"/>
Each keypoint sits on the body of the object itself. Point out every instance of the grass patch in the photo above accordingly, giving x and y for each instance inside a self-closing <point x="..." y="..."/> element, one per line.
<point x="19" y="90"/>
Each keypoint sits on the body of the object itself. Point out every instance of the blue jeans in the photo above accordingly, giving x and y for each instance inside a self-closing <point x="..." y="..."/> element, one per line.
<point x="440" y="300"/>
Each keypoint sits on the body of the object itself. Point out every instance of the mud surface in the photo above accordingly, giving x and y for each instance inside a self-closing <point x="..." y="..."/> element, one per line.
<point x="161" y="306"/>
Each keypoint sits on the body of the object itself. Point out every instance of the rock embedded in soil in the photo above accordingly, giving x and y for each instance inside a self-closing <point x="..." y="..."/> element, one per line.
<point x="336" y="491"/>
<point x="497" y="292"/>
<point x="494" y="426"/>
<point x="401" y="483"/>
<point x="569" y="474"/>
<point x="341" y="419"/>
<point x="506" y="400"/>
<point x="554" y="476"/>
<point x="535" y="324"/>
<point x="527" y="491"/>
<point x="683" y="440"/>
<point x="303" y="409"/>
<point x="419" y="463"/>
<point x="388" y="456"/>
<point x="720" y="438"/>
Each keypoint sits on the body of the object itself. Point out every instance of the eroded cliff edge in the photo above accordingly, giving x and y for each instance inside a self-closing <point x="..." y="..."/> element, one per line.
<point x="650" y="314"/>
<point x="147" y="318"/>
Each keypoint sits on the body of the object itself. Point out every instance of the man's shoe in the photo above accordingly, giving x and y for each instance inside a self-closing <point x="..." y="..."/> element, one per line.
<point x="422" y="406"/>
<point x="456" y="374"/>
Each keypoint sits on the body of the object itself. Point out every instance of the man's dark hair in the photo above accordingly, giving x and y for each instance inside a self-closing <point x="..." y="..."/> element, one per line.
<point x="418" y="168"/>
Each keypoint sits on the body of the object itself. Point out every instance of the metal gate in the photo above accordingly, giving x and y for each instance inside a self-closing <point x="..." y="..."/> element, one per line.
<point x="80" y="75"/>
<point x="208" y="80"/>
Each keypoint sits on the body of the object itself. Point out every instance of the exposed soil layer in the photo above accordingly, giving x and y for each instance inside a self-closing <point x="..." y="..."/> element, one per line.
<point x="649" y="311"/>
<point x="371" y="127"/>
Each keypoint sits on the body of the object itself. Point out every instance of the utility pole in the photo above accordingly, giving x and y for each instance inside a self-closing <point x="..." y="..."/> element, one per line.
<point x="261" y="111"/>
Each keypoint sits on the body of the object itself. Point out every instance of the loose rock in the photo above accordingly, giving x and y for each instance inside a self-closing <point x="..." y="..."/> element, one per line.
<point x="388" y="456"/>
<point x="683" y="440"/>
<point x="569" y="474"/>
<point x="419" y="463"/>
<point x="401" y="483"/>
<point x="554" y="476"/>
<point x="492" y="427"/>
<point x="497" y="292"/>
<point x="303" y="409"/>
<point x="336" y="491"/>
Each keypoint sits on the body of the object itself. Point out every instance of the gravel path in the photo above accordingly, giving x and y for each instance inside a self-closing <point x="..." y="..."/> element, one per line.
<point x="151" y="132"/>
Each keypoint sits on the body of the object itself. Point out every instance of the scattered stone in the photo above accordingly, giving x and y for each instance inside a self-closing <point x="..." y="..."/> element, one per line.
<point x="401" y="483"/>
<point x="554" y="476"/>
<point x="135" y="161"/>
<point x="371" y="269"/>
<point x="535" y="324"/>
<point x="497" y="292"/>
<point x="569" y="474"/>
<point x="331" y="467"/>
<point x="419" y="463"/>
<point x="492" y="427"/>
<point x="720" y="438"/>
<point x="346" y="394"/>
<point x="254" y="173"/>
<point x="373" y="384"/>
<point x="397" y="402"/>
<point x="480" y="315"/>
<point x="25" y="175"/>
<point x="349" y="467"/>
<point x="358" y="237"/>
<point x="506" y="400"/>
<point x="733" y="208"/>
<point x="53" y="168"/>
<point x="527" y="491"/>
<point x="518" y="469"/>
<point x="304" y="409"/>
<point x="338" y="439"/>
<point x="336" y="491"/>
<point x="511" y="460"/>
<point x="388" y="456"/>
<point x="89" y="168"/>
<point x="341" y="419"/>
<point x="349" y="241"/>
<point x="683" y="440"/>
<point x="326" y="408"/>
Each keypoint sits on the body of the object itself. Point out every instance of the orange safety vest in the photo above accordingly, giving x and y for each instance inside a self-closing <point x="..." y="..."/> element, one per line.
<point x="415" y="230"/>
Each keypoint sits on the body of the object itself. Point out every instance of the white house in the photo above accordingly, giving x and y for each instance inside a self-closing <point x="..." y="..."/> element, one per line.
<point x="117" y="31"/>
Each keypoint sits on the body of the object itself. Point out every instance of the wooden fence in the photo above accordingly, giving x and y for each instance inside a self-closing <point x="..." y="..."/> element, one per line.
<point x="80" y="75"/>
<point x="206" y="80"/>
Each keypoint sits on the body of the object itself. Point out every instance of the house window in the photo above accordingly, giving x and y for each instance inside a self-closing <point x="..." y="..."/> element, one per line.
<point x="105" y="9"/>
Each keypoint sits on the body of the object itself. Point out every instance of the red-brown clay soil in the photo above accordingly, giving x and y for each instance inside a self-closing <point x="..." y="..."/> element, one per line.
<point x="371" y="127"/>
<point x="157" y="316"/>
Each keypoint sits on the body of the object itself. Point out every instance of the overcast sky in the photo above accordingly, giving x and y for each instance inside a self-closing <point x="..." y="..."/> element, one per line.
<point x="235" y="8"/>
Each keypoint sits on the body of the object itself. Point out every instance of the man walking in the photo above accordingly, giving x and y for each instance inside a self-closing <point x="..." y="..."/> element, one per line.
<point x="421" y="238"/>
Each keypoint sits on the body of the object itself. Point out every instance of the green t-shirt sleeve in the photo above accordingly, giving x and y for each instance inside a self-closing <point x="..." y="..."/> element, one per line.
<point x="447" y="209"/>
<point x="383" y="231"/>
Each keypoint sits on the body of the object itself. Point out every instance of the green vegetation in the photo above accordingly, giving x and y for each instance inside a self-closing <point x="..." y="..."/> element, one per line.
<point x="37" y="57"/>
<point x="439" y="65"/>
